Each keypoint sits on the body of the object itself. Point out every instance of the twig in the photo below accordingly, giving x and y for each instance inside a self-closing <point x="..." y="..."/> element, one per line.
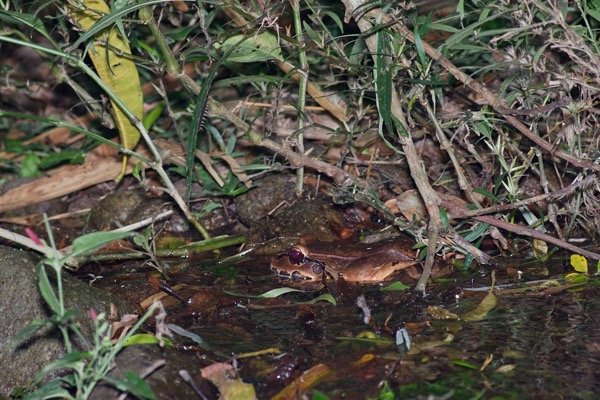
<point x="464" y="213"/>
<point x="25" y="241"/>
<point x="525" y="231"/>
<point x="415" y="163"/>
<point x="497" y="103"/>
<point x="463" y="182"/>
<point x="302" y="86"/>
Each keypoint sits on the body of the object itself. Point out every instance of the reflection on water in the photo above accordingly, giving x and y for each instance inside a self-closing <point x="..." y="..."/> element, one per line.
<point x="532" y="346"/>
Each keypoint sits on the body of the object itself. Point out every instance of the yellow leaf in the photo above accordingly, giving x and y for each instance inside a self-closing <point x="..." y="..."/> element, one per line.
<point x="579" y="263"/>
<point x="116" y="68"/>
<point x="486" y="305"/>
<point x="540" y="248"/>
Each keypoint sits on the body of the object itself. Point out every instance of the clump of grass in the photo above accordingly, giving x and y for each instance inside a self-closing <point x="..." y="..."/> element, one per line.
<point x="85" y="368"/>
<point x="507" y="91"/>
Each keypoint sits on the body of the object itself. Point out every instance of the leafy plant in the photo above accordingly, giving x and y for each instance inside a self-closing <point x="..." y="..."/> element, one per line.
<point x="85" y="369"/>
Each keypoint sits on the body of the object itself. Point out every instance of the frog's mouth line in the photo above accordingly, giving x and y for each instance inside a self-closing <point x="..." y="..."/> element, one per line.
<point x="297" y="275"/>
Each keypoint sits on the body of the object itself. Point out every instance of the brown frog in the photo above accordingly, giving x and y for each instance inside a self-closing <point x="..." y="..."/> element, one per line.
<point x="355" y="262"/>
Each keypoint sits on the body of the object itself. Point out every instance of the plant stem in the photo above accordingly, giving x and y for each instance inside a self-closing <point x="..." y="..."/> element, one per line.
<point x="301" y="91"/>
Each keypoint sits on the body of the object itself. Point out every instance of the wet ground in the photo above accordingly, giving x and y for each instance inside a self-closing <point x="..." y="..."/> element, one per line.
<point x="540" y="343"/>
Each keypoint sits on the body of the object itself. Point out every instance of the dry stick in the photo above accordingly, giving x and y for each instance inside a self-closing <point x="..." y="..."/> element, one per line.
<point x="415" y="164"/>
<point x="475" y="252"/>
<point x="500" y="105"/>
<point x="454" y="213"/>
<point x="546" y="186"/>
<point x="463" y="183"/>
<point x="525" y="231"/>
<point x="302" y="85"/>
<point x="296" y="160"/>
<point x="497" y="103"/>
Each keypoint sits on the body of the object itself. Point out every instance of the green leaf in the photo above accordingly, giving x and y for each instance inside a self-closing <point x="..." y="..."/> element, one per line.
<point x="198" y="117"/>
<point x="318" y="395"/>
<point x="271" y="294"/>
<point x="145" y="338"/>
<point x="594" y="14"/>
<point x="25" y="19"/>
<point x="443" y="27"/>
<point x="153" y="115"/>
<point x="91" y="242"/>
<point x="311" y="32"/>
<point x="383" y="81"/>
<point x="73" y="360"/>
<point x="261" y="47"/>
<point x="132" y="383"/>
<point x="30" y="329"/>
<point x="323" y="297"/>
<point x="197" y="339"/>
<point x="579" y="263"/>
<point x="73" y="156"/>
<point x="420" y="49"/>
<point x="396" y="286"/>
<point x="485" y="193"/>
<point x="30" y="166"/>
<point x="576" y="278"/>
<point x="471" y="236"/>
<point x="336" y="19"/>
<point x="444" y="217"/>
<point x="50" y="390"/>
<point x="465" y="364"/>
<point x="47" y="291"/>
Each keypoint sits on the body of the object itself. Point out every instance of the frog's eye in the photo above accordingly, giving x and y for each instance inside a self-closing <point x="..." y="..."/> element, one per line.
<point x="296" y="256"/>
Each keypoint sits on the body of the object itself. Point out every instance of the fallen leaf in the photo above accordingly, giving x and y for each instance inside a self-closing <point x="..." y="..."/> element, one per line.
<point x="579" y="263"/>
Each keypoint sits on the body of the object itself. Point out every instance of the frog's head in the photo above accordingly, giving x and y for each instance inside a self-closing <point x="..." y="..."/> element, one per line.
<point x="297" y="265"/>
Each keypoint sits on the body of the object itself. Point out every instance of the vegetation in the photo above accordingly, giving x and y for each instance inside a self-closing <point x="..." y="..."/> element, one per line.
<point x="490" y="106"/>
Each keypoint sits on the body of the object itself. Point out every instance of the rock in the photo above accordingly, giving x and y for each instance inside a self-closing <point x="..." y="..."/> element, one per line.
<point x="314" y="220"/>
<point x="165" y="381"/>
<point x="113" y="210"/>
<point x="21" y="303"/>
<point x="268" y="193"/>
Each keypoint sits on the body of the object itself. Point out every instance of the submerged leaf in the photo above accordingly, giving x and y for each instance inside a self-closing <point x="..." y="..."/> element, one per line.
<point x="304" y="383"/>
<point x="230" y="386"/>
<point x="486" y="305"/>
<point x="266" y="295"/>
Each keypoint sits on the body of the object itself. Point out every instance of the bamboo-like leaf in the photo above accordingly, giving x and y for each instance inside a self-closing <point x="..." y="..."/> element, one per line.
<point x="383" y="80"/>
<point x="198" y="116"/>
<point x="111" y="56"/>
<point x="132" y="383"/>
